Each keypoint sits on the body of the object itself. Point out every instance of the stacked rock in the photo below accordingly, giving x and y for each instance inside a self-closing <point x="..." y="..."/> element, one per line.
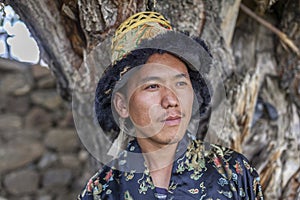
<point x="40" y="153"/>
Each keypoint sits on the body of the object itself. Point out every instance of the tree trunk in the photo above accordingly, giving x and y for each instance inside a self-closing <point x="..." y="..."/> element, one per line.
<point x="260" y="74"/>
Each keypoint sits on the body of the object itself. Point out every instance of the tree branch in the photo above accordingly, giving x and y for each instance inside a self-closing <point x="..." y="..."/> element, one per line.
<point x="275" y="30"/>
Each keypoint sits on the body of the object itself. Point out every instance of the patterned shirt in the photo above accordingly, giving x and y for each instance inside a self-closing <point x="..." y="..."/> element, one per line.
<point x="202" y="171"/>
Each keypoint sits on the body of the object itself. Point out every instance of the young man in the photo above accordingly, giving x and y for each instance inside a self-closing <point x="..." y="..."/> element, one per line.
<point x="155" y="89"/>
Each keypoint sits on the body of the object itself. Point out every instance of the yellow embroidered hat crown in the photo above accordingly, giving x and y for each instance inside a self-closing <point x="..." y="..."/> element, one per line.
<point x="143" y="25"/>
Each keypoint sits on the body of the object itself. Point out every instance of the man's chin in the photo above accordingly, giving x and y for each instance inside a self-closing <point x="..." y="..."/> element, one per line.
<point x="171" y="140"/>
<point x="166" y="136"/>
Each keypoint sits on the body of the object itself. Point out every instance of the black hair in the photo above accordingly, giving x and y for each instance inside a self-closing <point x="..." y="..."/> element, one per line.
<point x="104" y="90"/>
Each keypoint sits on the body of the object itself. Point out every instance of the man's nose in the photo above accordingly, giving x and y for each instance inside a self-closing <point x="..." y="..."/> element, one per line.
<point x="169" y="98"/>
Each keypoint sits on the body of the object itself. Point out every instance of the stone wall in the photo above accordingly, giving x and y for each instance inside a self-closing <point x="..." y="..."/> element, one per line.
<point x="41" y="156"/>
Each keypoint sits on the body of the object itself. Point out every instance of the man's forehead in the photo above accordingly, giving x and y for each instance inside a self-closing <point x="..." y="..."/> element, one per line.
<point x="160" y="71"/>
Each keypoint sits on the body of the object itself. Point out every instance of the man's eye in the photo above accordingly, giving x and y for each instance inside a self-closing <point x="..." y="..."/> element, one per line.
<point x="152" y="87"/>
<point x="181" y="83"/>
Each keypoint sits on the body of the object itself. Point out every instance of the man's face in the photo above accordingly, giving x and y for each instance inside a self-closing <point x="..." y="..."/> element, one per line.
<point x="159" y="99"/>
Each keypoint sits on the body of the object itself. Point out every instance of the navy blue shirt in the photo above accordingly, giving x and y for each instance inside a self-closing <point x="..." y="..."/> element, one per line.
<point x="202" y="171"/>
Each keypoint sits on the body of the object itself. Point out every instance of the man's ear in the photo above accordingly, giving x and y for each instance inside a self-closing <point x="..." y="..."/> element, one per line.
<point x="120" y="105"/>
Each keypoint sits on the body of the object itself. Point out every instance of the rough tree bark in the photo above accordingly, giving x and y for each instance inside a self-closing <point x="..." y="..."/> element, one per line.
<point x="260" y="73"/>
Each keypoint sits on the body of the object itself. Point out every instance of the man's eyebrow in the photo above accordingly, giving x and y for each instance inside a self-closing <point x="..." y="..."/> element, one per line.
<point x="182" y="75"/>
<point x="150" y="78"/>
<point x="157" y="78"/>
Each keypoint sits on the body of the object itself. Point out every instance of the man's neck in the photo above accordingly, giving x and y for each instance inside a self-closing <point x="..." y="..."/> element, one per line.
<point x="159" y="159"/>
<point x="157" y="155"/>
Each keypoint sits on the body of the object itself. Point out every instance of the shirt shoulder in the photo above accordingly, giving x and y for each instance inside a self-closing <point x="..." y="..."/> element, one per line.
<point x="102" y="183"/>
<point x="232" y="166"/>
<point x="221" y="157"/>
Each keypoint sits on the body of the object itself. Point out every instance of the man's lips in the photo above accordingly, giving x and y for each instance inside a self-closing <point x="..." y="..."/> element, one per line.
<point x="172" y="120"/>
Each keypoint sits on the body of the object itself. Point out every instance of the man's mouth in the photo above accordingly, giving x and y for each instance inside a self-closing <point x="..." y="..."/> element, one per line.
<point x="172" y="120"/>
